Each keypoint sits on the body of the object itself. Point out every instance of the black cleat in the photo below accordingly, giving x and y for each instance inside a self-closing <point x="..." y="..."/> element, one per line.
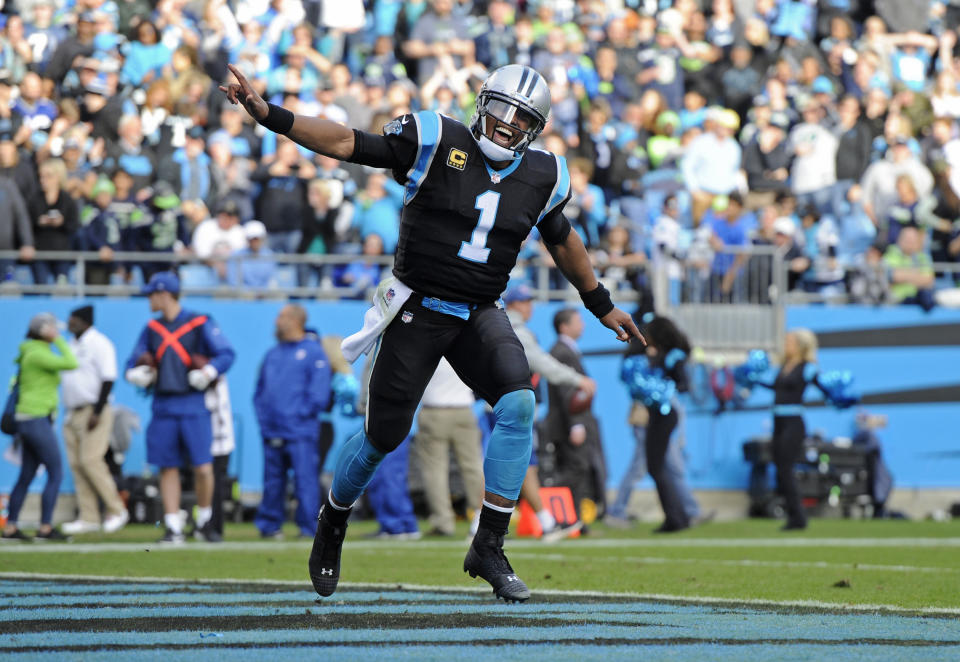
<point x="207" y="533"/>
<point x="486" y="559"/>
<point x="325" y="556"/>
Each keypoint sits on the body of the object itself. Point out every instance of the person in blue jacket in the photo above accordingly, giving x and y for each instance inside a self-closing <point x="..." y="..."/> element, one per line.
<point x="179" y="355"/>
<point x="293" y="389"/>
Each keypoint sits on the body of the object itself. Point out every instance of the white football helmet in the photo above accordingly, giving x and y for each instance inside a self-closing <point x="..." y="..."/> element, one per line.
<point x="512" y="108"/>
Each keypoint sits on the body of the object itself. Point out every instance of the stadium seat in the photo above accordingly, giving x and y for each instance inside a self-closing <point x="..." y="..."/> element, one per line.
<point x="197" y="276"/>
<point x="285" y="277"/>
<point x="23" y="274"/>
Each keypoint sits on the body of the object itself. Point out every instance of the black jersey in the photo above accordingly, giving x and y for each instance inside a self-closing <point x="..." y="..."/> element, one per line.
<point x="463" y="222"/>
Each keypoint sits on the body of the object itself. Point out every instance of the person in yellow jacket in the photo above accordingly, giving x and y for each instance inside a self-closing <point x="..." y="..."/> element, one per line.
<point x="39" y="377"/>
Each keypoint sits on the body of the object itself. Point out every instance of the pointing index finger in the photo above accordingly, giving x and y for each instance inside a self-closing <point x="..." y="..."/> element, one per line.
<point x="632" y="330"/>
<point x="241" y="79"/>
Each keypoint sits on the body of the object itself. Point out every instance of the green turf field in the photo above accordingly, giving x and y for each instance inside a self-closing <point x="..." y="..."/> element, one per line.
<point x="900" y="564"/>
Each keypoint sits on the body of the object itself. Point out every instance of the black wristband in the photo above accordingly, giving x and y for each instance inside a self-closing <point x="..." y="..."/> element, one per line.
<point x="597" y="301"/>
<point x="279" y="119"/>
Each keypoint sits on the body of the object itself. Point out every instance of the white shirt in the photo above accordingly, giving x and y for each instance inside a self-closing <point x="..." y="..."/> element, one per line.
<point x="210" y="240"/>
<point x="815" y="166"/>
<point x="446" y="390"/>
<point x="96" y="363"/>
<point x="666" y="240"/>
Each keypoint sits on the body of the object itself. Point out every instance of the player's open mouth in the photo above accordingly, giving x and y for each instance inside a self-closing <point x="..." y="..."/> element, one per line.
<point x="503" y="136"/>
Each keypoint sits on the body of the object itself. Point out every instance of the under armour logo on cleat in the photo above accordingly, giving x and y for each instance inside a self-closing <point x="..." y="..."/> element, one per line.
<point x="325" y="571"/>
<point x="512" y="578"/>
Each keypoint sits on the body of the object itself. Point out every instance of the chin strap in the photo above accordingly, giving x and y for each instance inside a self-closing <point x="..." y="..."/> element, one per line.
<point x="495" y="152"/>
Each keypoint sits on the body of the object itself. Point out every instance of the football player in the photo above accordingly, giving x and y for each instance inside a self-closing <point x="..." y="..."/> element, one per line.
<point x="472" y="195"/>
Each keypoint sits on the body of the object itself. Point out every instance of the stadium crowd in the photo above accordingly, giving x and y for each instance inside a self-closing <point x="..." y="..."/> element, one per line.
<point x="826" y="128"/>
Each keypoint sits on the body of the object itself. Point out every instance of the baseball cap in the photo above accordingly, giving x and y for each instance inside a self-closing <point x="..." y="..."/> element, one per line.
<point x="729" y="119"/>
<point x="255" y="230"/>
<point x="667" y="117"/>
<point x="195" y="131"/>
<point x="779" y="122"/>
<point x="822" y="85"/>
<point x="164" y="197"/>
<point x="97" y="86"/>
<point x="373" y="80"/>
<point x="784" y="225"/>
<point x="229" y="207"/>
<point x="87" y="17"/>
<point x="520" y="292"/>
<point x="163" y="281"/>
<point x="103" y="185"/>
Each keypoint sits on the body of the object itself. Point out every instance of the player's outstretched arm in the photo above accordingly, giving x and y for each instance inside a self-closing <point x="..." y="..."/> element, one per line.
<point x="572" y="259"/>
<point x="316" y="134"/>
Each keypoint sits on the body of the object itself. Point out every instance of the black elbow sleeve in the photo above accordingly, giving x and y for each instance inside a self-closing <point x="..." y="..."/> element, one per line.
<point x="372" y="150"/>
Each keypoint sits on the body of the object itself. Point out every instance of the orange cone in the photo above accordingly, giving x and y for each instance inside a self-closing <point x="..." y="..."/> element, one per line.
<point x="529" y="524"/>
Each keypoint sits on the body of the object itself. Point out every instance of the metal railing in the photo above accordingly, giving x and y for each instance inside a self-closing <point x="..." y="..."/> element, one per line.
<point x="204" y="282"/>
<point x="201" y="279"/>
<point x="722" y="313"/>
<point x="747" y="313"/>
<point x="947" y="278"/>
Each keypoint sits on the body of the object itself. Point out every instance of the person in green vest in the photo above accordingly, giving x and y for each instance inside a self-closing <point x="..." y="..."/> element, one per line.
<point x="911" y="269"/>
<point x="663" y="148"/>
<point x="39" y="377"/>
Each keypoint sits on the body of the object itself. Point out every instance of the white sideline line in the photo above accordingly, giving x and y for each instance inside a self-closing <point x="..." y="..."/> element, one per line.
<point x="657" y="597"/>
<point x="739" y="562"/>
<point x="512" y="543"/>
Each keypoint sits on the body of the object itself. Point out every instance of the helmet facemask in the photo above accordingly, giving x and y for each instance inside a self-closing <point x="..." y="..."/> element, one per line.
<point x="504" y="128"/>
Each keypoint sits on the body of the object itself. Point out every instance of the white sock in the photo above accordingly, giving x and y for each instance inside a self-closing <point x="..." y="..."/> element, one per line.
<point x="173" y="522"/>
<point x="547" y="521"/>
<point x="203" y="515"/>
<point x="334" y="505"/>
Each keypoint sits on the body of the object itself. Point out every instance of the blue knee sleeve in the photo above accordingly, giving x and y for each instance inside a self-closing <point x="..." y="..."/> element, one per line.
<point x="356" y="465"/>
<point x="508" y="451"/>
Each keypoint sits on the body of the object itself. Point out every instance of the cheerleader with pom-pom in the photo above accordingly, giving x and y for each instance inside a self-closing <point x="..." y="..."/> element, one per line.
<point x="656" y="384"/>
<point x="799" y="369"/>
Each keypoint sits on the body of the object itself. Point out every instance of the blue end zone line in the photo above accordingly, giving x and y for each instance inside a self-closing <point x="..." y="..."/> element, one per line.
<point x="512" y="543"/>
<point x="567" y="653"/>
<point x="642" y="633"/>
<point x="690" y="600"/>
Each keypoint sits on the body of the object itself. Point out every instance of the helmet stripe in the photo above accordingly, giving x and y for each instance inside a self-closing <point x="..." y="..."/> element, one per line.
<point x="534" y="81"/>
<point x="523" y="79"/>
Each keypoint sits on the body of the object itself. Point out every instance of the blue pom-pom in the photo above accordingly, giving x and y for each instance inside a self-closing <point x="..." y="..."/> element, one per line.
<point x="838" y="387"/>
<point x="346" y="389"/>
<point x="673" y="357"/>
<point x="753" y="369"/>
<point x="648" y="384"/>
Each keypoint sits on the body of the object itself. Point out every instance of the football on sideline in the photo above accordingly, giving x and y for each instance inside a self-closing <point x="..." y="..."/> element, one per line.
<point x="580" y="401"/>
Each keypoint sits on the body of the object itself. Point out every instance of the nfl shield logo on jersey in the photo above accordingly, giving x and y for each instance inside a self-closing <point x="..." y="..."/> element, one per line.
<point x="495" y="177"/>
<point x="407" y="317"/>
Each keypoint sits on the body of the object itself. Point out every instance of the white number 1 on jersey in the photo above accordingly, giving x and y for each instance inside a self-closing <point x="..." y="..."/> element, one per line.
<point x="476" y="250"/>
